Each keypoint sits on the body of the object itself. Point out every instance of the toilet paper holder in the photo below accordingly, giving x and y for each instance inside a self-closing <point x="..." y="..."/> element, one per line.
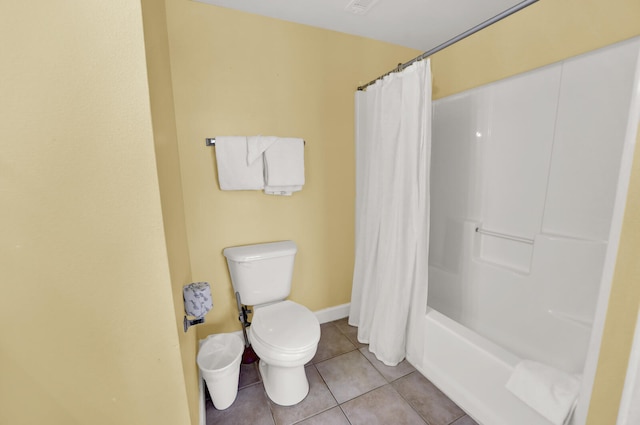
<point x="197" y="303"/>
<point x="190" y="322"/>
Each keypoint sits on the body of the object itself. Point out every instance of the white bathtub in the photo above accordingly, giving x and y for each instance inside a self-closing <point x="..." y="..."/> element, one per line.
<point x="473" y="372"/>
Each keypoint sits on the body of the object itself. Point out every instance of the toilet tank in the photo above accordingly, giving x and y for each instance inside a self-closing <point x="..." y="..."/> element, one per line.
<point x="261" y="273"/>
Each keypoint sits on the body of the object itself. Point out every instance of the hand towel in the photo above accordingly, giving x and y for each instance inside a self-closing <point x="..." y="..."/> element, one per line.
<point x="234" y="173"/>
<point x="284" y="167"/>
<point x="550" y="392"/>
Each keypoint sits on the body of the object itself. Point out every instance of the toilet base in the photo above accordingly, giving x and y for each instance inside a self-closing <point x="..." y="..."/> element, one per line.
<point x="285" y="386"/>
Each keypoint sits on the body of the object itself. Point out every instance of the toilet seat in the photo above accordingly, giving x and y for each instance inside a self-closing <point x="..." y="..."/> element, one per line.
<point x="286" y="327"/>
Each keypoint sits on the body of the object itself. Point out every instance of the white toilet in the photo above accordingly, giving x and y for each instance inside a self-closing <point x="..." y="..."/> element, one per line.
<point x="283" y="334"/>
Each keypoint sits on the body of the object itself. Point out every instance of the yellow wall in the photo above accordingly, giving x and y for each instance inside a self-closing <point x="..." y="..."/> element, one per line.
<point x="547" y="32"/>
<point x="241" y="74"/>
<point x="170" y="181"/>
<point x="543" y="33"/>
<point x="86" y="311"/>
<point x="623" y="311"/>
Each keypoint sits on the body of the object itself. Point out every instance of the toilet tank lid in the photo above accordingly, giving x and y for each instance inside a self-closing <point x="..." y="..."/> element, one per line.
<point x="260" y="251"/>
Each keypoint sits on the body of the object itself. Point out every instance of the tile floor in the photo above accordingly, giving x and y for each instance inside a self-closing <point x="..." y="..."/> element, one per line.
<point x="348" y="386"/>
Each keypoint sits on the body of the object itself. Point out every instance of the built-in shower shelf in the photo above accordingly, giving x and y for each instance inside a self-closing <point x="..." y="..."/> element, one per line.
<point x="556" y="236"/>
<point x="506" y="251"/>
<point x="512" y="268"/>
<point x="576" y="320"/>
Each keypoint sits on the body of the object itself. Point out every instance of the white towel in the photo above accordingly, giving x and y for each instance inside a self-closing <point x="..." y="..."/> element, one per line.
<point x="284" y="167"/>
<point x="256" y="145"/>
<point x="233" y="171"/>
<point x="550" y="392"/>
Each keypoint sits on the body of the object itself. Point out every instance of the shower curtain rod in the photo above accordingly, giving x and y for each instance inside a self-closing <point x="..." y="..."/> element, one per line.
<point x="455" y="39"/>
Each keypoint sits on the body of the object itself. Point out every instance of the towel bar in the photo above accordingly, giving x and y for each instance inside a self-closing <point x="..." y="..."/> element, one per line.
<point x="211" y="141"/>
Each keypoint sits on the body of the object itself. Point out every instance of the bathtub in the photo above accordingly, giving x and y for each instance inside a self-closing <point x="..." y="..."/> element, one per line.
<point x="472" y="371"/>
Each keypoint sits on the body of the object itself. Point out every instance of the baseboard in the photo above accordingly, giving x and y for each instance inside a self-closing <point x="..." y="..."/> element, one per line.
<point x="333" y="313"/>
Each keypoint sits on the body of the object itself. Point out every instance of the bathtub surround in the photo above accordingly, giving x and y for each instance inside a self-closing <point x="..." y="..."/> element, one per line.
<point x="393" y="152"/>
<point x="520" y="43"/>
<point x="537" y="161"/>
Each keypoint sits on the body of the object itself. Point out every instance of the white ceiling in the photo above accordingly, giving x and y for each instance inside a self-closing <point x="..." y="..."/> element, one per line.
<point x="420" y="24"/>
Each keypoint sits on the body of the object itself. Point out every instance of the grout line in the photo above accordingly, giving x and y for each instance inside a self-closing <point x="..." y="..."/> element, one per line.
<point x="458" y="418"/>
<point x="411" y="404"/>
<point x="344" y="413"/>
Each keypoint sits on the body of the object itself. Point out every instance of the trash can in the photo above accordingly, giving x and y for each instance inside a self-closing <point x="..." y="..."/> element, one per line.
<point x="219" y="362"/>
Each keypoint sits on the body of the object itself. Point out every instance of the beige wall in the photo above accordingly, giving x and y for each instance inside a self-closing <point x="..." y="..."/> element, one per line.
<point x="86" y="311"/>
<point x="547" y="32"/>
<point x="241" y="74"/>
<point x="543" y="33"/>
<point x="623" y="311"/>
<point x="170" y="182"/>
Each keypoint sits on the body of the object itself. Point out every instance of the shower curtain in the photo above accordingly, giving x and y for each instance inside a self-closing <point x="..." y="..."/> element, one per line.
<point x="393" y="149"/>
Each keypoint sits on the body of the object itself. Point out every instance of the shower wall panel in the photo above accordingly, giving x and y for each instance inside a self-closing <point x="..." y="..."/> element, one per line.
<point x="536" y="158"/>
<point x="593" y="112"/>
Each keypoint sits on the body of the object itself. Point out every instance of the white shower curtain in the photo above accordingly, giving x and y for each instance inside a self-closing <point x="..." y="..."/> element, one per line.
<point x="393" y="149"/>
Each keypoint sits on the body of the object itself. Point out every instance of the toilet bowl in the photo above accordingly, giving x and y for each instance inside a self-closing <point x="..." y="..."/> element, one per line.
<point x="283" y="334"/>
<point x="285" y="337"/>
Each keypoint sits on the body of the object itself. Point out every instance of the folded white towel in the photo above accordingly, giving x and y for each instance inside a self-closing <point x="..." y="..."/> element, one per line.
<point x="233" y="171"/>
<point x="281" y="190"/>
<point x="284" y="167"/>
<point x="549" y="391"/>
<point x="256" y="145"/>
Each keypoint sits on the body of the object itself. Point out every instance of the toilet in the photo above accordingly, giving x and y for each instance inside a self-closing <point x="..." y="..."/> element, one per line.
<point x="283" y="334"/>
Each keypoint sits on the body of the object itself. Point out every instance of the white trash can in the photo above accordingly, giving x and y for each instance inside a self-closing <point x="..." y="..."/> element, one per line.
<point x="219" y="362"/>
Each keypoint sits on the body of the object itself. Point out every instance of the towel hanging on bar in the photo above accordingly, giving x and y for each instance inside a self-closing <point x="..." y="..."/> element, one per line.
<point x="274" y="164"/>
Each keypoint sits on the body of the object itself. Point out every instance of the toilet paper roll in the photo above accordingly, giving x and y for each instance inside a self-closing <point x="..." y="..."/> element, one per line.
<point x="197" y="299"/>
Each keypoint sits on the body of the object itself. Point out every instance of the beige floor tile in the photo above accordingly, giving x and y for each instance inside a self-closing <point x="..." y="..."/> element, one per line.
<point x="251" y="407"/>
<point x="351" y="332"/>
<point x="381" y="406"/>
<point x="349" y="375"/>
<point x="249" y="375"/>
<point x="390" y="373"/>
<point x="332" y="343"/>
<point x="330" y="417"/>
<point x="318" y="400"/>
<point x="435" y="407"/>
